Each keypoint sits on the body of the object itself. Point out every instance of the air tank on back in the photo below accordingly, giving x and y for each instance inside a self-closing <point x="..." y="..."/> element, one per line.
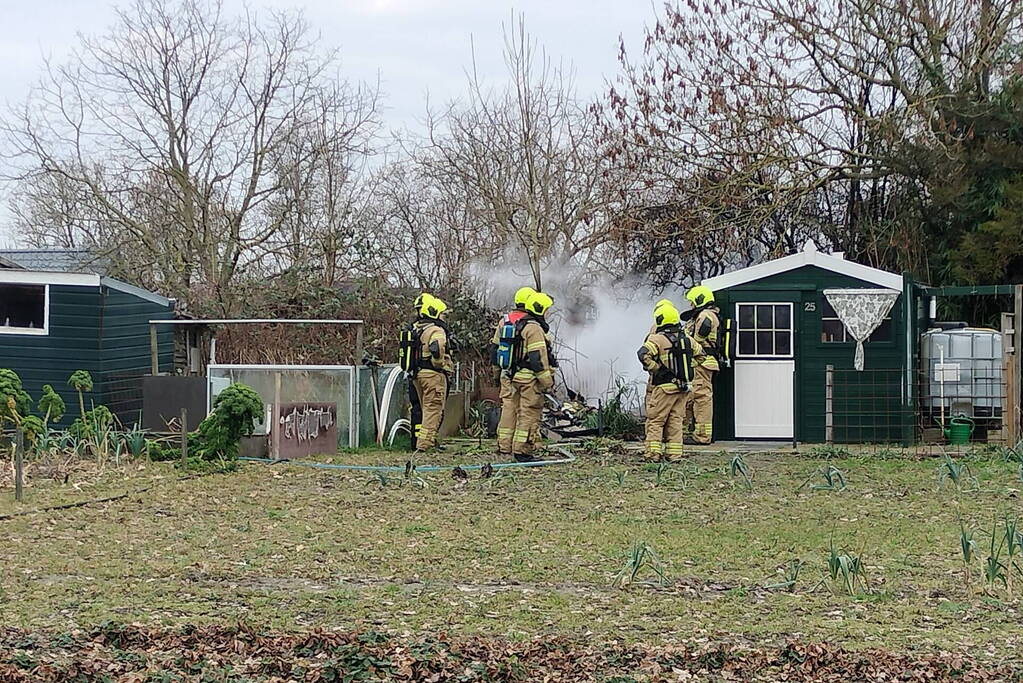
<point x="969" y="360"/>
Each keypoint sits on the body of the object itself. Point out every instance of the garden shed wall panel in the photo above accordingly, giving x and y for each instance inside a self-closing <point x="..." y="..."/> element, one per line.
<point x="72" y="344"/>
<point x="125" y="351"/>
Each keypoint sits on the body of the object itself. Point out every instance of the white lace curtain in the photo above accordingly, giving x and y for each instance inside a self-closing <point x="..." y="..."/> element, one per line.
<point x="861" y="311"/>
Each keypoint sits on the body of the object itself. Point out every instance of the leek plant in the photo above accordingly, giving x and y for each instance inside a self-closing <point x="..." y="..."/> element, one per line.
<point x="739" y="467"/>
<point x="641" y="556"/>
<point x="968" y="548"/>
<point x="832" y="478"/>
<point x="847" y="569"/>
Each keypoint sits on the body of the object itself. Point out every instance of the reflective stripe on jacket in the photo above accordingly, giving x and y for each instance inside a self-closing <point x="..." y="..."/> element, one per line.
<point x="704" y="330"/>
<point x="536" y="362"/>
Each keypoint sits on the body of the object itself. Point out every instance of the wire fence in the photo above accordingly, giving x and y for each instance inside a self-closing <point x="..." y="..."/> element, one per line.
<point x="122" y="394"/>
<point x="887" y="406"/>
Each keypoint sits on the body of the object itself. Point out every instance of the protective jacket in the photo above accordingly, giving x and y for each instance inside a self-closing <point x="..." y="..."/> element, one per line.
<point x="703" y="328"/>
<point x="535" y="359"/>
<point x="667" y="354"/>
<point x="434" y="354"/>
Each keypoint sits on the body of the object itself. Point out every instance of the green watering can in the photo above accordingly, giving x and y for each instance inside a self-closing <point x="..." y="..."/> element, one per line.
<point x="959" y="430"/>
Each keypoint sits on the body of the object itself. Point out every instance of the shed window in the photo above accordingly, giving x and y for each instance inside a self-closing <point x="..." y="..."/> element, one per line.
<point x="765" y="330"/>
<point x="22" y="309"/>
<point x="833" y="330"/>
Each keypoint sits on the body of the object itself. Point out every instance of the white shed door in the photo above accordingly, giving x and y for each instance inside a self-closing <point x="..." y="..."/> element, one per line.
<point x="763" y="399"/>
<point x="764" y="366"/>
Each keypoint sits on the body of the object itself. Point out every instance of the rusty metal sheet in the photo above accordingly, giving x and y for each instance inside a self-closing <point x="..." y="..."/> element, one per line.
<point x="306" y="429"/>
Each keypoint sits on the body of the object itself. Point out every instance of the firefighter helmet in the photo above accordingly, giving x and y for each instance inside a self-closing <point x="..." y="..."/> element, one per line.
<point x="522" y="296"/>
<point x="666" y="314"/>
<point x="539" y="302"/>
<point x="432" y="307"/>
<point x="700" y="296"/>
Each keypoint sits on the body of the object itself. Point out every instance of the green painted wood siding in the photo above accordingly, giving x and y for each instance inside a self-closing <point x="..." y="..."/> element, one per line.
<point x="866" y="405"/>
<point x="72" y="344"/>
<point x="125" y="350"/>
<point x="98" y="329"/>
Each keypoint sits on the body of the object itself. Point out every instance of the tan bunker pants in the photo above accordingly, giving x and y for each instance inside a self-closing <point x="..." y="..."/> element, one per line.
<point x="699" y="410"/>
<point x="432" y="388"/>
<point x="521" y="411"/>
<point x="664" y="424"/>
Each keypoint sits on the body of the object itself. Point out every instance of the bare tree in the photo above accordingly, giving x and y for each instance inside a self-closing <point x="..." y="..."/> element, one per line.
<point x="523" y="158"/>
<point x="762" y="124"/>
<point x="183" y="143"/>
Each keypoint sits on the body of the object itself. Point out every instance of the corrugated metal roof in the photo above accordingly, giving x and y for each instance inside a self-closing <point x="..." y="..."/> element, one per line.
<point x="56" y="260"/>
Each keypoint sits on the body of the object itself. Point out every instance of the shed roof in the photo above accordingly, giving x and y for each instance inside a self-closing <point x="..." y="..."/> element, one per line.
<point x="835" y="263"/>
<point x="35" y="277"/>
<point x="55" y="260"/>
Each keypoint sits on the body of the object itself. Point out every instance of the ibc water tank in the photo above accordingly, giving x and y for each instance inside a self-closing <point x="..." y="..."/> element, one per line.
<point x="971" y="370"/>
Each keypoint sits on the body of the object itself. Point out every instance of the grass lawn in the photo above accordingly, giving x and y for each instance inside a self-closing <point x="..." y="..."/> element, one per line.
<point x="529" y="552"/>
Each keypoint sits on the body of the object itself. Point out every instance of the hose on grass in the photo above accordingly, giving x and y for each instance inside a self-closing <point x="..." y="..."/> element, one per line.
<point x="565" y="460"/>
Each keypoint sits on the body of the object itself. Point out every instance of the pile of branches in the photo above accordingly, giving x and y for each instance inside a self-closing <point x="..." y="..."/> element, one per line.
<point x="128" y="652"/>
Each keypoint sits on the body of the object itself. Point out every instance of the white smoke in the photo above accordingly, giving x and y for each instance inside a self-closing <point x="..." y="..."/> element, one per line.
<point x="597" y="324"/>
<point x="598" y="352"/>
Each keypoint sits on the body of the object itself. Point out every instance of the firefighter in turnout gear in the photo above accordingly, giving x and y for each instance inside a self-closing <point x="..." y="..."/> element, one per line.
<point x="667" y="355"/>
<point x="703" y="327"/>
<point x="504" y="435"/>
<point x="426" y="358"/>
<point x="522" y="353"/>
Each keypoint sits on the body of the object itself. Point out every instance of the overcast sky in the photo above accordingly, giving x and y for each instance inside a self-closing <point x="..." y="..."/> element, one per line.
<point x="415" y="47"/>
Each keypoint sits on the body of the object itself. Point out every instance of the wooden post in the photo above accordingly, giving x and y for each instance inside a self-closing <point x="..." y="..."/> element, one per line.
<point x="275" y="420"/>
<point x="154" y="350"/>
<point x="19" y="465"/>
<point x="829" y="395"/>
<point x="911" y="323"/>
<point x="1017" y="360"/>
<point x="1010" y="394"/>
<point x="184" y="437"/>
<point x="358" y="344"/>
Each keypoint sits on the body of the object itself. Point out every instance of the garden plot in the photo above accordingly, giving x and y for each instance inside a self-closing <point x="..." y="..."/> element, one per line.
<point x="861" y="551"/>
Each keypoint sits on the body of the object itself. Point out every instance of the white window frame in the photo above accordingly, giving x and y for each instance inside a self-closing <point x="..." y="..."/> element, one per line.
<point x="33" y="331"/>
<point x="792" y="330"/>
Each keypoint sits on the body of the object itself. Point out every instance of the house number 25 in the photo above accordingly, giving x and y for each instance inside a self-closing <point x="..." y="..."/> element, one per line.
<point x="809" y="306"/>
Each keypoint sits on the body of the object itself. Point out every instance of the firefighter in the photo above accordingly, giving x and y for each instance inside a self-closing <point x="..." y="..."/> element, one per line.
<point x="505" y="432"/>
<point x="703" y="328"/>
<point x="666" y="355"/>
<point x="431" y="367"/>
<point x="526" y="378"/>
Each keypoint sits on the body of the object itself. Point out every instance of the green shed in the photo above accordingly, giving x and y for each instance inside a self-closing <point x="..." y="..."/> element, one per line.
<point x="795" y="375"/>
<point x="53" y="323"/>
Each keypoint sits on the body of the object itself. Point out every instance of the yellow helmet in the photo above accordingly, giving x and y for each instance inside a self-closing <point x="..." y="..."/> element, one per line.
<point x="421" y="299"/>
<point x="699" y="296"/>
<point x="538" y="303"/>
<point x="662" y="302"/>
<point x="522" y="296"/>
<point x="432" y="307"/>
<point x="666" y="314"/>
